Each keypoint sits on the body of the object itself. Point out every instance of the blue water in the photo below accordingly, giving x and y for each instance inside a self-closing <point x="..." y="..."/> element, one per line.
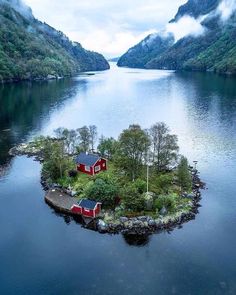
<point x="44" y="253"/>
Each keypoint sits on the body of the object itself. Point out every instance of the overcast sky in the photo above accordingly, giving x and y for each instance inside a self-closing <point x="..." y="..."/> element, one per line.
<point x="110" y="27"/>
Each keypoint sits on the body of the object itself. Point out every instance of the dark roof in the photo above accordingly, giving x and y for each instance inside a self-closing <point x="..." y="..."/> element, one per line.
<point x="87" y="159"/>
<point x="88" y="204"/>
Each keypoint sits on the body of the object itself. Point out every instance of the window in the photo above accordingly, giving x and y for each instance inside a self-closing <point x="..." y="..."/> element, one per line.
<point x="87" y="168"/>
<point x="104" y="165"/>
<point x="97" y="168"/>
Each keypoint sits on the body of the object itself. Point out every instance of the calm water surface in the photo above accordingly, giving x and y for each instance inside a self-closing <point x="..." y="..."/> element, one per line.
<point x="42" y="253"/>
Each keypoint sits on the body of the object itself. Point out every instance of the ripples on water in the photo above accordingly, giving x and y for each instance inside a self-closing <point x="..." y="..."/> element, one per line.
<point x="44" y="253"/>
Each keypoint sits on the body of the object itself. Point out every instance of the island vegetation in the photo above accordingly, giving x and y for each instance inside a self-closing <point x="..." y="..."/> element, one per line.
<point x="145" y="175"/>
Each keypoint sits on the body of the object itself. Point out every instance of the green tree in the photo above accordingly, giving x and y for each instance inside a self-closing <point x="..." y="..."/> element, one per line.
<point x="164" y="182"/>
<point x="183" y="174"/>
<point x="107" y="147"/>
<point x="69" y="137"/>
<point x="103" y="190"/>
<point x="132" y="147"/>
<point x="164" y="146"/>
<point x="55" y="162"/>
<point x="84" y="137"/>
<point x="93" y="136"/>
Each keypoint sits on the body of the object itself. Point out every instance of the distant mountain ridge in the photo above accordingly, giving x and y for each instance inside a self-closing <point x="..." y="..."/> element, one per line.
<point x="214" y="50"/>
<point x="30" y="49"/>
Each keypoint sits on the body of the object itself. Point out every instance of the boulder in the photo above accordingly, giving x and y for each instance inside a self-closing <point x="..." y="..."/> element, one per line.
<point x="151" y="222"/>
<point x="51" y="77"/>
<point x="123" y="219"/>
<point x="190" y="196"/>
<point x="142" y="218"/>
<point x="102" y="226"/>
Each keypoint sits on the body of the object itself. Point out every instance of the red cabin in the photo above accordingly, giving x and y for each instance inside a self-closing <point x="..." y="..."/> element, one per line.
<point x="90" y="163"/>
<point x="87" y="208"/>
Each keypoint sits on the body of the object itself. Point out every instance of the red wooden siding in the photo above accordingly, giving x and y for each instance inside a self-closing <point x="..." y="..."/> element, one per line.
<point x="88" y="212"/>
<point x="76" y="209"/>
<point x="101" y="166"/>
<point x="82" y="168"/>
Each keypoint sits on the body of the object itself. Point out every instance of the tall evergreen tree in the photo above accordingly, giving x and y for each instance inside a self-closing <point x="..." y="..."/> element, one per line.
<point x="183" y="174"/>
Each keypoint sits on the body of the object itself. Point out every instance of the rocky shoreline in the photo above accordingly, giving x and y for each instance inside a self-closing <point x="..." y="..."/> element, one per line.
<point x="140" y="225"/>
<point x="143" y="225"/>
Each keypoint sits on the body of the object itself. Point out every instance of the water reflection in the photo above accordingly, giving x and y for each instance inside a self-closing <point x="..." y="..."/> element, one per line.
<point x="48" y="254"/>
<point x="137" y="240"/>
<point x="24" y="107"/>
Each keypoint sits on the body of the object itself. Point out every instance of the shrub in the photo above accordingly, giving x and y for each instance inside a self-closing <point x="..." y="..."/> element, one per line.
<point x="132" y="199"/>
<point x="102" y="191"/>
<point x="162" y="183"/>
<point x="167" y="201"/>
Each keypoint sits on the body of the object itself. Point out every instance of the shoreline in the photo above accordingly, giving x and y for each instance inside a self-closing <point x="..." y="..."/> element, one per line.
<point x="61" y="201"/>
<point x="140" y="225"/>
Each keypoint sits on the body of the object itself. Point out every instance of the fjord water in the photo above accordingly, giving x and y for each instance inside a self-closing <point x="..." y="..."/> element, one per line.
<point x="44" y="253"/>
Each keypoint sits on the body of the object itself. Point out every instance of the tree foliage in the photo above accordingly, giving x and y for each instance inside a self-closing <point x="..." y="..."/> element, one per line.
<point x="215" y="50"/>
<point x="107" y="147"/>
<point x="56" y="163"/>
<point x="104" y="190"/>
<point x="183" y="174"/>
<point x="30" y="49"/>
<point x="164" y="146"/>
<point x="132" y="147"/>
<point x="132" y="198"/>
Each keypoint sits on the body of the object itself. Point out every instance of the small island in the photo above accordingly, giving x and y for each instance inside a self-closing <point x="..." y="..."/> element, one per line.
<point x="136" y="184"/>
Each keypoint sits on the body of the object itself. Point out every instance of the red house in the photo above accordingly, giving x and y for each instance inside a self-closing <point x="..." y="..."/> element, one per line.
<point x="90" y="163"/>
<point x="87" y="208"/>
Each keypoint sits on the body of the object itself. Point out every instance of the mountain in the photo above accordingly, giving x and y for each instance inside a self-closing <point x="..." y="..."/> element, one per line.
<point x="30" y="49"/>
<point x="212" y="50"/>
<point x="152" y="46"/>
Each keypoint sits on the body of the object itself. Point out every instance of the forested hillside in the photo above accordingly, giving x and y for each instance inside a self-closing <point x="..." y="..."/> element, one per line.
<point x="30" y="49"/>
<point x="213" y="50"/>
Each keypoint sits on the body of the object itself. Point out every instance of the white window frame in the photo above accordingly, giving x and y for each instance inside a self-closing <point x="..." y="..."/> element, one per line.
<point x="87" y="168"/>
<point x="97" y="168"/>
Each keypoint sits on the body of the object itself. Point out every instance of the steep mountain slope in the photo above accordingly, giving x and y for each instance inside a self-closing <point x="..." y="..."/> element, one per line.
<point x="30" y="49"/>
<point x="152" y="46"/>
<point x="214" y="50"/>
<point x="195" y="8"/>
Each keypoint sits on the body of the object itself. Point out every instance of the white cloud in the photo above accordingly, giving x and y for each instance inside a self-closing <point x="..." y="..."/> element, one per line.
<point x="186" y="26"/>
<point x="107" y="26"/>
<point x="226" y="8"/>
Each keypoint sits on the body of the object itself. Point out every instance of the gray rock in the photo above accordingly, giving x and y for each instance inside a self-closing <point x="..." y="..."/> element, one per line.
<point x="123" y="219"/>
<point x="102" y="226"/>
<point x="145" y="223"/>
<point x="151" y="222"/>
<point x="190" y="196"/>
<point x="51" y="77"/>
<point x="142" y="218"/>
<point x="137" y="223"/>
